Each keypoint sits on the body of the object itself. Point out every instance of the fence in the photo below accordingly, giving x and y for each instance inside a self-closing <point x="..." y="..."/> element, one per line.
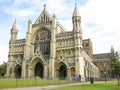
<point x="28" y="82"/>
<point x="36" y="81"/>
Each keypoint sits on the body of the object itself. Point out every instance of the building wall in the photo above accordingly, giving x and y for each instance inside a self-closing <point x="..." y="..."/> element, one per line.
<point x="87" y="46"/>
<point x="102" y="61"/>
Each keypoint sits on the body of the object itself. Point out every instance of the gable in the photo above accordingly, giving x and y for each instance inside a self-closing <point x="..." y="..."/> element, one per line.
<point x="44" y="17"/>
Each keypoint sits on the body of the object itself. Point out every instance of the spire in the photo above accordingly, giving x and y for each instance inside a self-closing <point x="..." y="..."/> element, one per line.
<point x="76" y="20"/>
<point x="14" y="31"/>
<point x="14" y="27"/>
<point x="76" y="12"/>
<point x="44" y="6"/>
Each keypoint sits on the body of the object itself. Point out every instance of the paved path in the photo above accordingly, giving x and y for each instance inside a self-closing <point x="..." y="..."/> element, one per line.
<point x="47" y="87"/>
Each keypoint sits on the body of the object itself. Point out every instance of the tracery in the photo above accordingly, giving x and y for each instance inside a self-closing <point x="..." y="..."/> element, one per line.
<point x="42" y="41"/>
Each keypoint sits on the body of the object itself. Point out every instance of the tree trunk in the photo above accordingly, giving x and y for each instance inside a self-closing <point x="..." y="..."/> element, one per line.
<point x="118" y="80"/>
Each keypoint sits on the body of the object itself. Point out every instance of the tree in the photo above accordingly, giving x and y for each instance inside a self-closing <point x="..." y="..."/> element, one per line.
<point x="115" y="65"/>
<point x="3" y="69"/>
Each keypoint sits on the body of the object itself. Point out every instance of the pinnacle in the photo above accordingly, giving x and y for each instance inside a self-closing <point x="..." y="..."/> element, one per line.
<point x="14" y="25"/>
<point x="76" y="12"/>
<point x="44" y="6"/>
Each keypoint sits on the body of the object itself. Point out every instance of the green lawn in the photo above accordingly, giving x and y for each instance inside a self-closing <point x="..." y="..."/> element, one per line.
<point x="97" y="86"/>
<point x="15" y="83"/>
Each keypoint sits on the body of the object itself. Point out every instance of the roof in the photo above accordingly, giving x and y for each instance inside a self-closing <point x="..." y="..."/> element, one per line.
<point x="45" y="16"/>
<point x="101" y="56"/>
<point x="86" y="39"/>
<point x="14" y="27"/>
<point x="76" y="12"/>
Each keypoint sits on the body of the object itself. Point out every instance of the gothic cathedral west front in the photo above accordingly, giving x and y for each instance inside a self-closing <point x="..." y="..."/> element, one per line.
<point x="48" y="51"/>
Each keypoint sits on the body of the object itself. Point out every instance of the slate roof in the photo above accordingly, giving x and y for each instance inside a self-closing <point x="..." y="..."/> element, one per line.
<point x="101" y="56"/>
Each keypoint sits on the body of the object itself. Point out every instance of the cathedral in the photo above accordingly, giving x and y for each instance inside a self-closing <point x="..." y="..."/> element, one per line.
<point x="48" y="51"/>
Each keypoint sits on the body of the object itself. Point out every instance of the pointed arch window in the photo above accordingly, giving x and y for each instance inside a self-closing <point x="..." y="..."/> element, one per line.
<point x="42" y="41"/>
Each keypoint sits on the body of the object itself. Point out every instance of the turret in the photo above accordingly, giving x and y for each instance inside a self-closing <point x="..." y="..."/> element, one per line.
<point x="77" y="28"/>
<point x="78" y="58"/>
<point x="53" y="46"/>
<point x="14" y="32"/>
<point x="29" y="26"/>
<point x="76" y="19"/>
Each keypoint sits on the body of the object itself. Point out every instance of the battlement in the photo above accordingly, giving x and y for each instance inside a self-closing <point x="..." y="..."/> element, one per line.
<point x="20" y="41"/>
<point x="65" y="34"/>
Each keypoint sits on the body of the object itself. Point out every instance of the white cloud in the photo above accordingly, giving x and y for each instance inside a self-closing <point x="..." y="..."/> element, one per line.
<point x="16" y="12"/>
<point x="105" y="15"/>
<point x="100" y="19"/>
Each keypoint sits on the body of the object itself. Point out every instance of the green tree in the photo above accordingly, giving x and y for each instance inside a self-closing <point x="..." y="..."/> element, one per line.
<point x="115" y="65"/>
<point x="3" y="69"/>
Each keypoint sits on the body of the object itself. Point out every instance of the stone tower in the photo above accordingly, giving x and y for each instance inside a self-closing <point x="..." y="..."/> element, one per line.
<point x="77" y="43"/>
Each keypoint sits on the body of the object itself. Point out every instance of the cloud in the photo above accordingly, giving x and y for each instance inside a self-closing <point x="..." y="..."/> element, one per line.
<point x="16" y="12"/>
<point x="100" y="19"/>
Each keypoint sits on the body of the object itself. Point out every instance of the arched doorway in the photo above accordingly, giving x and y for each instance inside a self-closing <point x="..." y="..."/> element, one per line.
<point x="38" y="70"/>
<point x="17" y="71"/>
<point x="73" y="72"/>
<point x="62" y="71"/>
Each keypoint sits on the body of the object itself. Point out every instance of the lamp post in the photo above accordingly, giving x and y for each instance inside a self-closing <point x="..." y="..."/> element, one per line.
<point x="105" y="77"/>
<point x="105" y="73"/>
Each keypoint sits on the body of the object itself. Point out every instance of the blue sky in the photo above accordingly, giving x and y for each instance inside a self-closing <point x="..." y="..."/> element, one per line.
<point x="100" y="20"/>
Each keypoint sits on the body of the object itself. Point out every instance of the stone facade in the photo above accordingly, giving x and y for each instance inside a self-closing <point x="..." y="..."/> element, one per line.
<point x="87" y="46"/>
<point x="49" y="51"/>
<point x="102" y="61"/>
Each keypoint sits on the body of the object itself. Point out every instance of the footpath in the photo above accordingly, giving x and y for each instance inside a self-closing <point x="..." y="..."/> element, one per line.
<point x="48" y="87"/>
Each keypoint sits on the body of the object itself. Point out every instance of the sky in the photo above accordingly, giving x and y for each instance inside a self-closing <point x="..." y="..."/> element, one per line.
<point x="100" y="20"/>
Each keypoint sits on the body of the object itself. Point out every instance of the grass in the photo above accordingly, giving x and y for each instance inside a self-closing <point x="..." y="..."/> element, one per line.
<point x="111" y="85"/>
<point x="15" y="83"/>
